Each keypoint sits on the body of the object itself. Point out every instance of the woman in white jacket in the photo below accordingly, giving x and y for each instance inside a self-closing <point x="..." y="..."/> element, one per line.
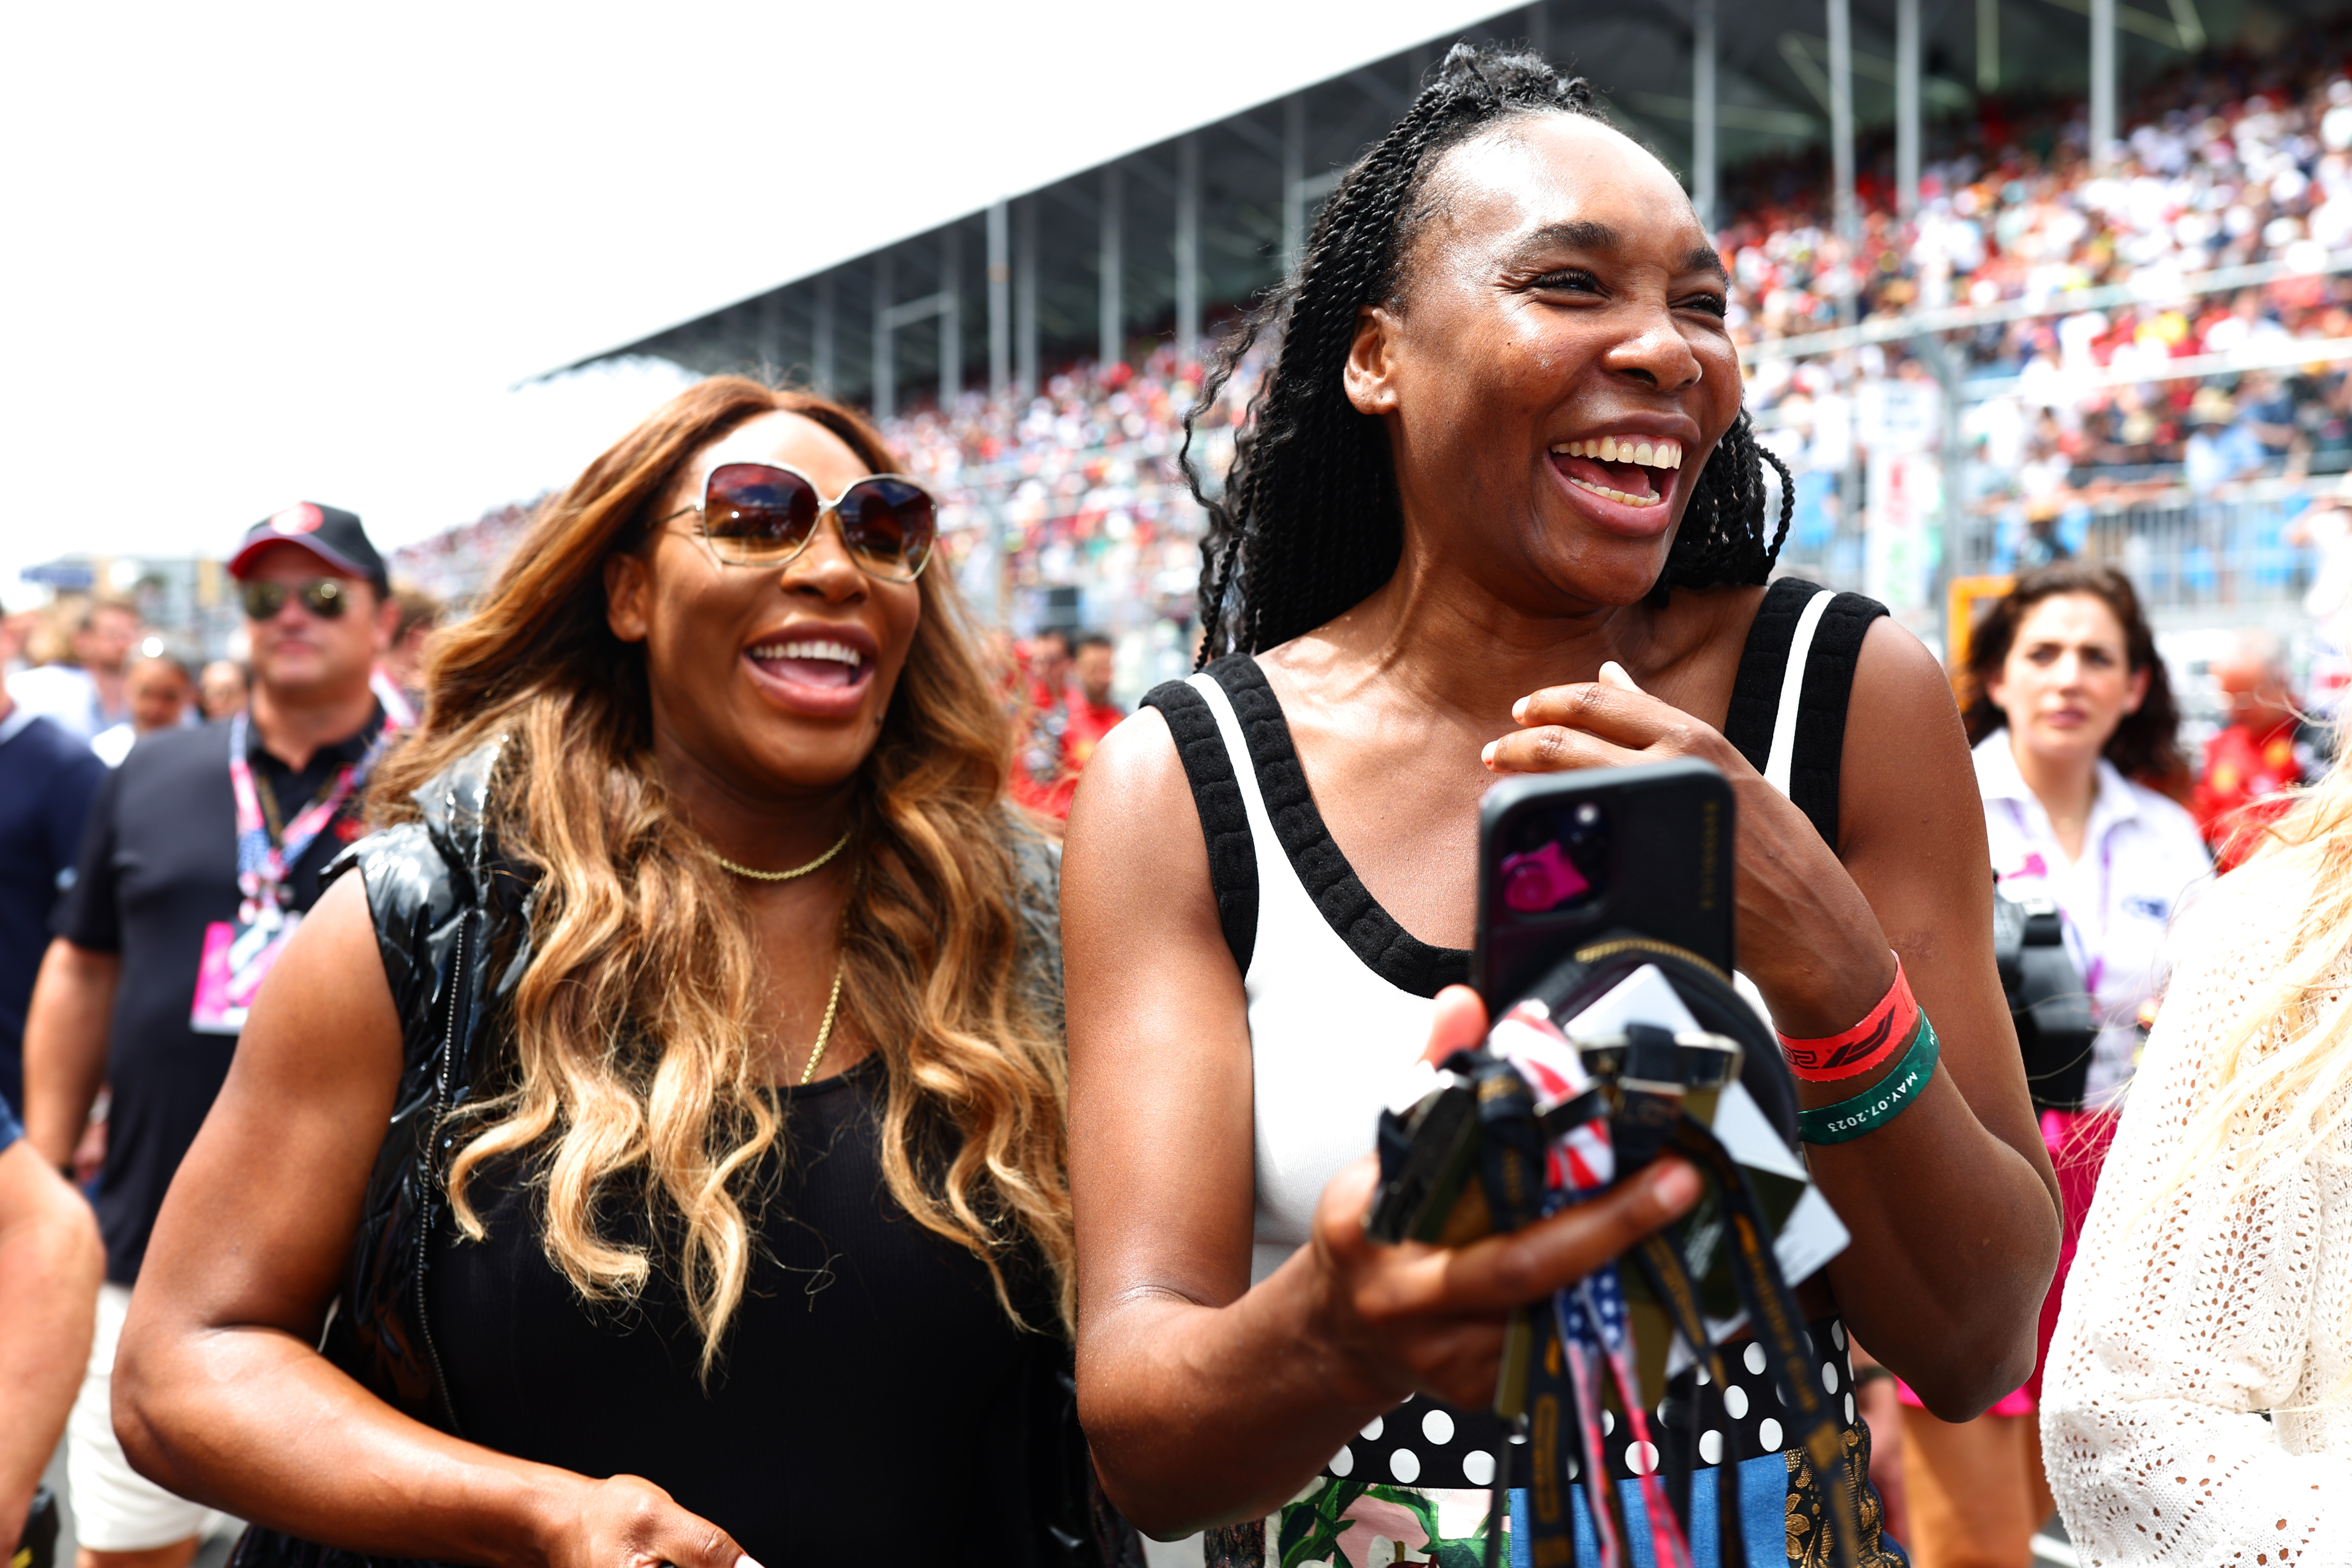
<point x="2197" y="1404"/>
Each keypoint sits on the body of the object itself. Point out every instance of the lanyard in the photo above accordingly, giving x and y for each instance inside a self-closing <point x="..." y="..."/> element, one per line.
<point x="1534" y="1093"/>
<point x="399" y="713"/>
<point x="2093" y="954"/>
<point x="263" y="856"/>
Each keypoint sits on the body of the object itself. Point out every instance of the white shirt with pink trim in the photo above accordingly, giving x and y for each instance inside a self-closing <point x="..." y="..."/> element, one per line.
<point x="2142" y="855"/>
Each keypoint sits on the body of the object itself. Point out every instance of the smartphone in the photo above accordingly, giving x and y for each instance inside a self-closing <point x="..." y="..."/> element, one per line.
<point x="1563" y="857"/>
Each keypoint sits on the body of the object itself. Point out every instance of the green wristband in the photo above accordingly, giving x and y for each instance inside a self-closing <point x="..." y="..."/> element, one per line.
<point x="1882" y="1102"/>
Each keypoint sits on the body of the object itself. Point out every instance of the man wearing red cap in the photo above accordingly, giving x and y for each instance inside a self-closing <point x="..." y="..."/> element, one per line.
<point x="202" y="850"/>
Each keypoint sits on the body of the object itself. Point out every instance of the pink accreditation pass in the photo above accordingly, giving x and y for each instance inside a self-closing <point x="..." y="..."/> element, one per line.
<point x="236" y="956"/>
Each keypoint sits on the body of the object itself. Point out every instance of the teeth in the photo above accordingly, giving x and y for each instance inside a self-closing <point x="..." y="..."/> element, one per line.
<point x="840" y="652"/>
<point x="1619" y="495"/>
<point x="1611" y="449"/>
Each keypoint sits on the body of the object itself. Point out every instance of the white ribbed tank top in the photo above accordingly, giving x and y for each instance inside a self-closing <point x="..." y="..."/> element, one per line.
<point x="1330" y="1035"/>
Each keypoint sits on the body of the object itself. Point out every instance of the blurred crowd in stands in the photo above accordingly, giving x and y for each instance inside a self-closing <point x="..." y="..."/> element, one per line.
<point x="2235" y="164"/>
<point x="2112" y="378"/>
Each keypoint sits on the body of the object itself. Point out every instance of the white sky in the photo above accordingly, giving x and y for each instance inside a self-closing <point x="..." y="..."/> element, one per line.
<point x="261" y="253"/>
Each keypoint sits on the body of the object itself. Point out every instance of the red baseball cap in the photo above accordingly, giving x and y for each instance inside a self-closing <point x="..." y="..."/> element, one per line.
<point x="332" y="534"/>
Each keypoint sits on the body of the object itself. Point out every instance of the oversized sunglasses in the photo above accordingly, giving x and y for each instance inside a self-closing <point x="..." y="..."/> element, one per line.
<point x="764" y="514"/>
<point x="322" y="596"/>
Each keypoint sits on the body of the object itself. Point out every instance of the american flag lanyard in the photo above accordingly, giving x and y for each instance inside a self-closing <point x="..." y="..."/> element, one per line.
<point x="1587" y="1339"/>
<point x="262" y="862"/>
<point x="1587" y="1329"/>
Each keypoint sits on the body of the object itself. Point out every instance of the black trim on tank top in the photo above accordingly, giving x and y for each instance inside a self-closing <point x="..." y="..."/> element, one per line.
<point x="1224" y="820"/>
<point x="1371" y="932"/>
<point x="1817" y="758"/>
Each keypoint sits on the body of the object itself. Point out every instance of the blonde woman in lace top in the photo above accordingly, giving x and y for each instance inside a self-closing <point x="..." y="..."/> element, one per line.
<point x="2197" y="1406"/>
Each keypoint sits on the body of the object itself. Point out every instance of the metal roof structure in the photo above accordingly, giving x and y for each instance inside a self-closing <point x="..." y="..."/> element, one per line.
<point x="1109" y="260"/>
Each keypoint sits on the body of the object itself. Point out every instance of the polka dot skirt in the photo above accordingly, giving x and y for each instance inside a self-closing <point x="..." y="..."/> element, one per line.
<point x="1422" y="1443"/>
<point x="1744" y="1420"/>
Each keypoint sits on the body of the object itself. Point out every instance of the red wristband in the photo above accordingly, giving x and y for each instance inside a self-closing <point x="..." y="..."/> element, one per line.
<point x="1863" y="1047"/>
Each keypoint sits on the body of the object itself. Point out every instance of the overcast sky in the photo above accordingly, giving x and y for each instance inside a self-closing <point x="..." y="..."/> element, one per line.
<point x="256" y="254"/>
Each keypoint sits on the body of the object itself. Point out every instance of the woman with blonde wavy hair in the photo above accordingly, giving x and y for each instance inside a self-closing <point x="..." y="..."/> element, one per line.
<point x="709" y="993"/>
<point x="2197" y="1404"/>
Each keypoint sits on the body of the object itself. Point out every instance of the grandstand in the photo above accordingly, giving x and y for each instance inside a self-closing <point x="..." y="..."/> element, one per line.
<point x="1149" y="247"/>
<point x="2008" y="279"/>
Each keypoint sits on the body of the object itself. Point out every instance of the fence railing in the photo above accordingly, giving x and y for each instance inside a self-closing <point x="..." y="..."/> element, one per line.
<point x="2181" y="552"/>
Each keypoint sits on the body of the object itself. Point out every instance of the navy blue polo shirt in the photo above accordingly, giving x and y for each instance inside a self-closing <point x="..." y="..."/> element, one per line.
<point x="158" y="866"/>
<point x="47" y="780"/>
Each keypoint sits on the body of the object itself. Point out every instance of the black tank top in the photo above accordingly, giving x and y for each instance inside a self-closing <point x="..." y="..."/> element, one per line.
<point x="870" y="1404"/>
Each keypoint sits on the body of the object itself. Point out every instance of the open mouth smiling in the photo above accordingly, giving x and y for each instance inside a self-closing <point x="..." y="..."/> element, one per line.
<point x="810" y="660"/>
<point x="1620" y="467"/>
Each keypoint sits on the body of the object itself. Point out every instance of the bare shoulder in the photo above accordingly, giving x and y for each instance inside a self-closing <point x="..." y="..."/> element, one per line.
<point x="1895" y="663"/>
<point x="1910" y="820"/>
<point x="1133" y="794"/>
<point x="1901" y="709"/>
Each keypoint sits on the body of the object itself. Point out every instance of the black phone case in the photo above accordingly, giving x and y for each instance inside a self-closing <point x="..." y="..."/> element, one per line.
<point x="1664" y="870"/>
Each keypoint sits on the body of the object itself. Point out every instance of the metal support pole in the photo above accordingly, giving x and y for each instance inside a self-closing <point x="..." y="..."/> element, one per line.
<point x="1848" y="217"/>
<point x="821" y="337"/>
<point x="1294" y="177"/>
<point x="885" y="397"/>
<point x="1906" y="107"/>
<point x="1188" y="250"/>
<point x="1703" y="152"/>
<point x="1024" y="297"/>
<point x="1540" y="29"/>
<point x="1987" y="45"/>
<point x="951" y="316"/>
<point x="772" y="336"/>
<point x="1847" y="209"/>
<point x="1110" y="268"/>
<point x="1951" y="465"/>
<point x="1000" y="297"/>
<point x="2103" y="77"/>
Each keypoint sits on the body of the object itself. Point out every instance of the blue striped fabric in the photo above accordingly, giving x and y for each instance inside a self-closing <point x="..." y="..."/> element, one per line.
<point x="1764" y="1523"/>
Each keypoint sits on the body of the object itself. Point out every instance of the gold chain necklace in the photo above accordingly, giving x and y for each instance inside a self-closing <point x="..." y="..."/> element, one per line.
<point x="824" y="1030"/>
<point x="756" y="875"/>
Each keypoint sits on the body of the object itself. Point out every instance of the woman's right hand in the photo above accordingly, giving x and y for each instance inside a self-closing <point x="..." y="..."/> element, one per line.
<point x="1419" y="1319"/>
<point x="626" y="1521"/>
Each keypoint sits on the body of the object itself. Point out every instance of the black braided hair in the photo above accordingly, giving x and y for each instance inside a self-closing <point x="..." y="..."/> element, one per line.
<point x="1310" y="523"/>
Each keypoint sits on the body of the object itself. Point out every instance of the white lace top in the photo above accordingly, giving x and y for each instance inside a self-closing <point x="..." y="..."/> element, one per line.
<point x="2181" y="1329"/>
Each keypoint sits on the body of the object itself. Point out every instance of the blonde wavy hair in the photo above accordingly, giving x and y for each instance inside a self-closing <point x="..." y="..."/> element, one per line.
<point x="632" y="1026"/>
<point x="2284" y="1065"/>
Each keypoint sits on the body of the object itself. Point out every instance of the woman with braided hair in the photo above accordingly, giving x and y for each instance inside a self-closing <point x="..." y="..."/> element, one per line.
<point x="1499" y="512"/>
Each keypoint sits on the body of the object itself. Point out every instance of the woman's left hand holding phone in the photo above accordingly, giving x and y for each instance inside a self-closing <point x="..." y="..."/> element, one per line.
<point x="1807" y="936"/>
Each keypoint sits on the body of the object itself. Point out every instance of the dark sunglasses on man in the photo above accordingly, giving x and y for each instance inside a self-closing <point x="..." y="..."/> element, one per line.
<point x="323" y="597"/>
<point x="765" y="514"/>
